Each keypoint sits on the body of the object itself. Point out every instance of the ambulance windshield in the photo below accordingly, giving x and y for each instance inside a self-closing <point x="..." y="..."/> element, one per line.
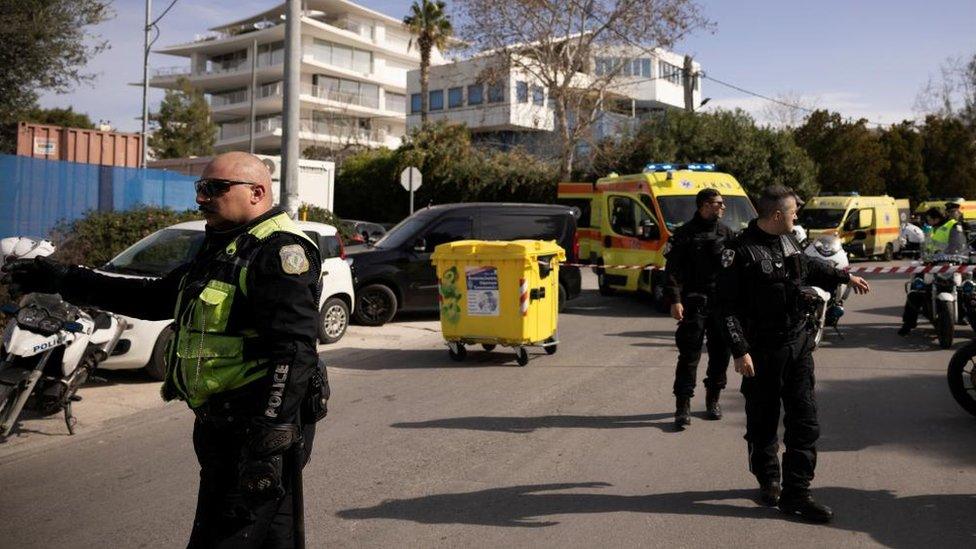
<point x="677" y="210"/>
<point x="820" y="218"/>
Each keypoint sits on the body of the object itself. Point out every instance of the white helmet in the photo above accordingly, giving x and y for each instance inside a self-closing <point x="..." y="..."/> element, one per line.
<point x="22" y="247"/>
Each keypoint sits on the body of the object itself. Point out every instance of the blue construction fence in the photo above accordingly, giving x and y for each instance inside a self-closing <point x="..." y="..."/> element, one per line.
<point x="36" y="194"/>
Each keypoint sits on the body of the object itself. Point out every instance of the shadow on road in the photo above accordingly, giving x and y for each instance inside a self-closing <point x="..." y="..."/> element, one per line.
<point x="884" y="337"/>
<point x="411" y="359"/>
<point x="591" y="303"/>
<point x="914" y="521"/>
<point x="913" y="411"/>
<point x="664" y="422"/>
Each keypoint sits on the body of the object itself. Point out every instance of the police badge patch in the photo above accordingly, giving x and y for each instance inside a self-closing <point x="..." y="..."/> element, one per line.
<point x="767" y="266"/>
<point x="728" y="256"/>
<point x="293" y="260"/>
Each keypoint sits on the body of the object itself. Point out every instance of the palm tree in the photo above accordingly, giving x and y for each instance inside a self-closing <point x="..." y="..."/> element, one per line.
<point x="431" y="28"/>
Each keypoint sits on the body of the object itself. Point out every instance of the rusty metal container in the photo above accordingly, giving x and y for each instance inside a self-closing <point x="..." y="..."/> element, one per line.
<point x="79" y="145"/>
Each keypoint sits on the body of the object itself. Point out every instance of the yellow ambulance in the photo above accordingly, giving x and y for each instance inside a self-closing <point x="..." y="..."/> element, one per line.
<point x="627" y="219"/>
<point x="868" y="226"/>
<point x="967" y="207"/>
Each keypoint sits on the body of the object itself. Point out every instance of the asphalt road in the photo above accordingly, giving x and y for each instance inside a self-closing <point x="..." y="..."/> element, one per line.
<point x="574" y="450"/>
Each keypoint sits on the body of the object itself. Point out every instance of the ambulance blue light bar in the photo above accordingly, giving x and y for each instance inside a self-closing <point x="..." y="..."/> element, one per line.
<point x="664" y="167"/>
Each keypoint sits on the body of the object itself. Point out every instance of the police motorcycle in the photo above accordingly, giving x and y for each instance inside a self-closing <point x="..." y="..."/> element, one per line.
<point x="945" y="298"/>
<point x="826" y="304"/>
<point x="49" y="347"/>
<point x="961" y="376"/>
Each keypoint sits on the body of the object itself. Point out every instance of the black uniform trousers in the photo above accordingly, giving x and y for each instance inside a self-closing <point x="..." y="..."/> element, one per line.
<point x="914" y="302"/>
<point x="784" y="373"/>
<point x="223" y="519"/>
<point x="699" y="322"/>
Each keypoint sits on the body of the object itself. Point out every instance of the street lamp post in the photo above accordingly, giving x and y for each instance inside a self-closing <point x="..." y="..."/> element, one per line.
<point x="145" y="82"/>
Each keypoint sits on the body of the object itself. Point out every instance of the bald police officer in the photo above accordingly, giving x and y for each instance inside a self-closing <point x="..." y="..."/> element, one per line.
<point x="767" y="325"/>
<point x="244" y="353"/>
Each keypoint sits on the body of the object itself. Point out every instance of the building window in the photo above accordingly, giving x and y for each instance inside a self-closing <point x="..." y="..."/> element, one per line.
<point x="414" y="103"/>
<point x="455" y="98"/>
<point x="521" y="92"/>
<point x="496" y="92"/>
<point x="437" y="100"/>
<point x="397" y="102"/>
<point x="341" y="56"/>
<point x="476" y="94"/>
<point x="538" y="95"/>
<point x="646" y="67"/>
<point x="669" y="72"/>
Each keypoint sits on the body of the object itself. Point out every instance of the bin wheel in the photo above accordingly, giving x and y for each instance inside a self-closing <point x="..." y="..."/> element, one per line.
<point x="488" y="346"/>
<point x="457" y="351"/>
<point x="550" y="349"/>
<point x="521" y="356"/>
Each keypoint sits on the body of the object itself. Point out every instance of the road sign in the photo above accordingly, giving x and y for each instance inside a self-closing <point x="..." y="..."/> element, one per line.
<point x="411" y="180"/>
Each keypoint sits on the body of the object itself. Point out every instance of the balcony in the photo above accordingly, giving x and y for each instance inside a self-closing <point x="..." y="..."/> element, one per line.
<point x="163" y="72"/>
<point x="239" y="129"/>
<point x="238" y="97"/>
<point x="363" y="100"/>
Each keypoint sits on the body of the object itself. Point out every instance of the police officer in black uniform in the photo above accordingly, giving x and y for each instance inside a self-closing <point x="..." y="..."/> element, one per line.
<point x="766" y="324"/>
<point x="693" y="262"/>
<point x="243" y="356"/>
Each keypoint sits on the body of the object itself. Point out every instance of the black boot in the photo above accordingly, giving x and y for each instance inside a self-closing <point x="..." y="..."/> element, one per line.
<point x="712" y="407"/>
<point x="769" y="493"/>
<point x="805" y="507"/>
<point x="682" y="413"/>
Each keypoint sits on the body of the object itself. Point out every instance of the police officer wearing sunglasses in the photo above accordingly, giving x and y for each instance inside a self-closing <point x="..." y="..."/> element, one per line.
<point x="243" y="356"/>
<point x="693" y="262"/>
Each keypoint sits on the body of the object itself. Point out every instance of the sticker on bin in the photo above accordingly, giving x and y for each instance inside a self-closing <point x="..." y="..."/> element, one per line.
<point x="482" y="285"/>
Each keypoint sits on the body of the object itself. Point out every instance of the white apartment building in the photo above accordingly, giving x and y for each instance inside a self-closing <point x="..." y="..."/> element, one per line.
<point x="353" y="76"/>
<point x="516" y="106"/>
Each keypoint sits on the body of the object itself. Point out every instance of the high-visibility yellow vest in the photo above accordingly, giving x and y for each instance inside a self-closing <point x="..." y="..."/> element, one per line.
<point x="206" y="356"/>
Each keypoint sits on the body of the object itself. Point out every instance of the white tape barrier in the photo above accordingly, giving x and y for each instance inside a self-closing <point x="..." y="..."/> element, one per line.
<point x="859" y="270"/>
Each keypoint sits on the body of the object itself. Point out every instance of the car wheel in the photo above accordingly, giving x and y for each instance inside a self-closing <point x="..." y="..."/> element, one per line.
<point x="889" y="252"/>
<point x="156" y="368"/>
<point x="375" y="305"/>
<point x="562" y="297"/>
<point x="333" y="320"/>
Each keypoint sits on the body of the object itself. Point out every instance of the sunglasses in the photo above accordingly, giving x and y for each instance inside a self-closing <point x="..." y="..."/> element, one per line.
<point x="211" y="187"/>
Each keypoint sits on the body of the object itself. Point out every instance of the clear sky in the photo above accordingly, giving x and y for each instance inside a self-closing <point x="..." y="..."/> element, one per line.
<point x="864" y="58"/>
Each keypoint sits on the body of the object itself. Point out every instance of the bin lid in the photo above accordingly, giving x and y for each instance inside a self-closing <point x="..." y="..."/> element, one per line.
<point x="497" y="249"/>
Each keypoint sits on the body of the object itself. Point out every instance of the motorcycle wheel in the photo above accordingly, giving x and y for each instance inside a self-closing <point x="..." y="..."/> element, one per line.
<point x="8" y="395"/>
<point x="944" y="326"/>
<point x="962" y="377"/>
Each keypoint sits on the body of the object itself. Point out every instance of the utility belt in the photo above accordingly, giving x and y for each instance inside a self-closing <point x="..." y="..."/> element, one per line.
<point x="697" y="301"/>
<point x="237" y="407"/>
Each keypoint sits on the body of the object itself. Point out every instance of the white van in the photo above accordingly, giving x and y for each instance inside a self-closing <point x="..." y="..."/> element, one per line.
<point x="143" y="344"/>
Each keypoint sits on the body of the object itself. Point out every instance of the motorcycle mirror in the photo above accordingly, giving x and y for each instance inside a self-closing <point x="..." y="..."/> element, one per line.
<point x="73" y="327"/>
<point x="9" y="309"/>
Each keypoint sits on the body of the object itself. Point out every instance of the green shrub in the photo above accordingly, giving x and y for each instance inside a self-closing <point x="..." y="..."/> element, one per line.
<point x="309" y="212"/>
<point x="99" y="236"/>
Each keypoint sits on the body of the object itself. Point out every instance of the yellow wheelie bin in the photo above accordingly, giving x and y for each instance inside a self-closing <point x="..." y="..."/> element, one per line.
<point x="498" y="293"/>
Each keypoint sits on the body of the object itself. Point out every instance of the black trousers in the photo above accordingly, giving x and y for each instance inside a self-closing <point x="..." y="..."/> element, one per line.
<point x="784" y="374"/>
<point x="699" y="323"/>
<point x="223" y="519"/>
<point x="914" y="302"/>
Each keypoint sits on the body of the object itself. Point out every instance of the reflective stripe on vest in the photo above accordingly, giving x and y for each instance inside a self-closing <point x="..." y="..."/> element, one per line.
<point x="206" y="358"/>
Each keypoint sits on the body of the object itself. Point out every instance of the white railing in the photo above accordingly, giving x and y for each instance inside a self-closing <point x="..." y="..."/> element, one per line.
<point x="171" y="71"/>
<point x="223" y="99"/>
<point x="238" y="129"/>
<point x="342" y="131"/>
<point x="274" y="89"/>
<point x="341" y="97"/>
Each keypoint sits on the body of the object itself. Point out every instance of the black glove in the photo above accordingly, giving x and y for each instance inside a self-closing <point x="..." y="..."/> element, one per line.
<point x="24" y="276"/>
<point x="262" y="461"/>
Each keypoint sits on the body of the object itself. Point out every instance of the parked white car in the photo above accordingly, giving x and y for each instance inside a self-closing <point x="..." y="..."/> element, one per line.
<point x="143" y="344"/>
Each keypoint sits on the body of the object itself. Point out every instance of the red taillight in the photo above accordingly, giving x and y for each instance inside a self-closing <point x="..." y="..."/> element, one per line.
<point x="576" y="247"/>
<point x="342" y="249"/>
